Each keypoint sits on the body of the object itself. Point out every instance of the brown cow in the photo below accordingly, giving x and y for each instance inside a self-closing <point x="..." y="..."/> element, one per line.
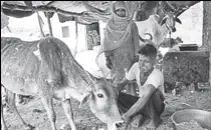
<point x="47" y="69"/>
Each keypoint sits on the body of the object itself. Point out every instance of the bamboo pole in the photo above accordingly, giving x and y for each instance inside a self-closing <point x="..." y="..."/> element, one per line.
<point x="76" y="31"/>
<point x="40" y="25"/>
<point x="49" y="25"/>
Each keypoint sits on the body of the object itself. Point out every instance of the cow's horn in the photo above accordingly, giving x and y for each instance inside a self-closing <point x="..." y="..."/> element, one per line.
<point x="141" y="39"/>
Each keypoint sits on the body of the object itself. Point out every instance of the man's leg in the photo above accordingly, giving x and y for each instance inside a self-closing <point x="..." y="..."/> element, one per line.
<point x="152" y="110"/>
<point x="155" y="108"/>
<point x="125" y="101"/>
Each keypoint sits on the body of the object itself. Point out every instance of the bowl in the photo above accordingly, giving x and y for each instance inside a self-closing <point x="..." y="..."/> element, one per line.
<point x="203" y="118"/>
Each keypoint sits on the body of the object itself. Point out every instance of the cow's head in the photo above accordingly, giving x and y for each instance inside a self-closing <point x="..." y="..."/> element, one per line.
<point x="102" y="99"/>
<point x="170" y="17"/>
<point x="169" y="20"/>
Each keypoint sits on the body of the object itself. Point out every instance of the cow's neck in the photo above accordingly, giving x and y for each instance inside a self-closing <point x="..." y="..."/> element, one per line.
<point x="165" y="30"/>
<point x="81" y="76"/>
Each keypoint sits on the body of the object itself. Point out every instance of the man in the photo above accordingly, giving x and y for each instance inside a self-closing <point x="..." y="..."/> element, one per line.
<point x="150" y="81"/>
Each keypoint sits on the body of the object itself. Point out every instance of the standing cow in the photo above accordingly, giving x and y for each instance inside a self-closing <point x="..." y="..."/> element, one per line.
<point x="47" y="69"/>
<point x="4" y="42"/>
<point x="158" y="25"/>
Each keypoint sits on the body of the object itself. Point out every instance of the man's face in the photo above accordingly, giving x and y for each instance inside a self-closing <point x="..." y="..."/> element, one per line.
<point x="146" y="63"/>
<point x="121" y="12"/>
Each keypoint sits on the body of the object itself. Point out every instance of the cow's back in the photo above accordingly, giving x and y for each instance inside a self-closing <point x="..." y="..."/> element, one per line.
<point x="19" y="66"/>
<point x="63" y="68"/>
<point x="22" y="69"/>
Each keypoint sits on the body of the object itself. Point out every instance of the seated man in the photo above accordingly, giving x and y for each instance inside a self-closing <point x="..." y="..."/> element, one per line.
<point x="150" y="81"/>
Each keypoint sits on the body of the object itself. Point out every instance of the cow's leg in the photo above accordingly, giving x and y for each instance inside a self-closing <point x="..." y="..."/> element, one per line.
<point x="12" y="106"/>
<point x="66" y="104"/>
<point x="3" y="124"/>
<point x="48" y="104"/>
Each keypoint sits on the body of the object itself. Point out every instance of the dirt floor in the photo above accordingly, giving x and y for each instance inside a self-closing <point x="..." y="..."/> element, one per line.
<point x="34" y="112"/>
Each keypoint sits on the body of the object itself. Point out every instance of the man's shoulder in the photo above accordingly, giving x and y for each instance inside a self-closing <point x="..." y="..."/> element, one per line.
<point x="157" y="72"/>
<point x="134" y="68"/>
<point x="135" y="65"/>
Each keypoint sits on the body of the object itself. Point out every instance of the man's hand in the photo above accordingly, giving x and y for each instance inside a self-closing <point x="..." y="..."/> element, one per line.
<point x="120" y="86"/>
<point x="116" y="90"/>
<point x="127" y="119"/>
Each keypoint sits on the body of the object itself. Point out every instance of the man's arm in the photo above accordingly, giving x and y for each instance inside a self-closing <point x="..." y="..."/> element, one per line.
<point x="128" y="77"/>
<point x="150" y="89"/>
<point x="121" y="85"/>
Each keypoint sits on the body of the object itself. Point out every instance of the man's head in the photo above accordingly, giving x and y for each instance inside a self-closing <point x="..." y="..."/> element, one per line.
<point x="147" y="57"/>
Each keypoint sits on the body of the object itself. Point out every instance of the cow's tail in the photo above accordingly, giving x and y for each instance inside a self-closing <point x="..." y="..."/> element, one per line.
<point x="51" y="58"/>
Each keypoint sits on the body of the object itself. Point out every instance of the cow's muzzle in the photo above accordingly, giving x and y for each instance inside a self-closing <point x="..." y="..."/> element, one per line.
<point x="174" y="29"/>
<point x="120" y="124"/>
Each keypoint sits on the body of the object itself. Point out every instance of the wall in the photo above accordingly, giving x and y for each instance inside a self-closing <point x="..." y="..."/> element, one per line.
<point x="71" y="40"/>
<point x="191" y="28"/>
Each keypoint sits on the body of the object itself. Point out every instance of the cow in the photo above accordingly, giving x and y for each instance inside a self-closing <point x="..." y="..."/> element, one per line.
<point x="158" y="25"/>
<point x="48" y="70"/>
<point x="157" y="31"/>
<point x="21" y="98"/>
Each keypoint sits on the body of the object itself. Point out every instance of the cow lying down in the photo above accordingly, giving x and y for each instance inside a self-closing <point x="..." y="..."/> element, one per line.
<point x="46" y="68"/>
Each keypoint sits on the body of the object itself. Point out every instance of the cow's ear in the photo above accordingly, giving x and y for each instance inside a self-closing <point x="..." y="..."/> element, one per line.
<point x="85" y="99"/>
<point x="163" y="21"/>
<point x="178" y="20"/>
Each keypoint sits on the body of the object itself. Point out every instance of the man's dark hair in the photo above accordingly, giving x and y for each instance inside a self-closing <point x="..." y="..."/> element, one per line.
<point x="148" y="50"/>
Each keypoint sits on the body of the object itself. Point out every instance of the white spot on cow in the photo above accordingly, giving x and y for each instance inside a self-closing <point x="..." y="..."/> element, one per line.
<point x="148" y="36"/>
<point x="37" y="52"/>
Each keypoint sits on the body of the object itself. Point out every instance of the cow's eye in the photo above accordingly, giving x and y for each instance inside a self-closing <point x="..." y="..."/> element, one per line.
<point x="100" y="95"/>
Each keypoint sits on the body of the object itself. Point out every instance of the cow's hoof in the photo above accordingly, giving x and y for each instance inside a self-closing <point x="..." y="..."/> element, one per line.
<point x="29" y="127"/>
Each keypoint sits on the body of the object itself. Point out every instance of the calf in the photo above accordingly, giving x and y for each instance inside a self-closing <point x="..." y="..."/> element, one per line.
<point x="47" y="69"/>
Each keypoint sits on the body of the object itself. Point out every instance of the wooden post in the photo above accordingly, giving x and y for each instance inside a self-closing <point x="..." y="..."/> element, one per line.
<point x="207" y="30"/>
<point x="40" y="24"/>
<point x="93" y="35"/>
<point x="9" y="29"/>
<point x="49" y="25"/>
<point x="76" y="32"/>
